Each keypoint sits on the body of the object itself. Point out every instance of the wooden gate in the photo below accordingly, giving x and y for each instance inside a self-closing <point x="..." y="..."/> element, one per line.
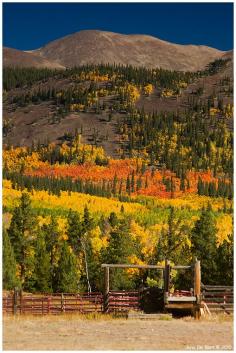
<point x="122" y="301"/>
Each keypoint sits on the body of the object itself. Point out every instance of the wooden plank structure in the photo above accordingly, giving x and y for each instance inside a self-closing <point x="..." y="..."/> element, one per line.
<point x="57" y="303"/>
<point x="210" y="298"/>
<point x="123" y="301"/>
<point x="218" y="299"/>
<point x="184" y="300"/>
<point x="179" y="301"/>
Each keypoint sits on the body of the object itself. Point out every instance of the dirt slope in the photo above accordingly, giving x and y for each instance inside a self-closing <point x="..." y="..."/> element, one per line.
<point x="95" y="47"/>
<point x="18" y="58"/>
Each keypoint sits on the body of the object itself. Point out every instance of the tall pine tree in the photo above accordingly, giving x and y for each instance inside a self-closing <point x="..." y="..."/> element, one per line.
<point x="67" y="277"/>
<point x="203" y="238"/>
<point x="22" y="232"/>
<point x="9" y="277"/>
<point x="42" y="272"/>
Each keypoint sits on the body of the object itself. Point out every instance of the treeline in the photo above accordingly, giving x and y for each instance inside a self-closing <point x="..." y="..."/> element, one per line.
<point x="180" y="141"/>
<point x="43" y="258"/>
<point x="19" y="77"/>
<point x="215" y="66"/>
<point x="118" y="188"/>
<point x="56" y="185"/>
<point x="223" y="189"/>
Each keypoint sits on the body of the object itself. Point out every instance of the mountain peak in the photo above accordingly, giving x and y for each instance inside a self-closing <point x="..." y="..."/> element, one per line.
<point x="97" y="47"/>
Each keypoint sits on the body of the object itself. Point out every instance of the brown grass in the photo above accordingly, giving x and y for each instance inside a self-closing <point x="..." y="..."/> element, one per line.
<point x="99" y="332"/>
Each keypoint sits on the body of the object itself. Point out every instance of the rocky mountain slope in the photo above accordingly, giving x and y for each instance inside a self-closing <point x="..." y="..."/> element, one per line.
<point x="19" y="58"/>
<point x="96" y="47"/>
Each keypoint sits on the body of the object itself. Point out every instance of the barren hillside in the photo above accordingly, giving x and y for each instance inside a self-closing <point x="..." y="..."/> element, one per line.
<point x="96" y="47"/>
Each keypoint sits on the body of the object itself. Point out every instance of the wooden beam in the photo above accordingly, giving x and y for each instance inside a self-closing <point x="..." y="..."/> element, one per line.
<point x="106" y="289"/>
<point x="132" y="266"/>
<point x="197" y="279"/>
<point x="167" y="276"/>
<point x="181" y="299"/>
<point x="180" y="267"/>
<point x="155" y="267"/>
<point x="182" y="306"/>
<point x="15" y="295"/>
<point x="166" y="281"/>
<point x="197" y="289"/>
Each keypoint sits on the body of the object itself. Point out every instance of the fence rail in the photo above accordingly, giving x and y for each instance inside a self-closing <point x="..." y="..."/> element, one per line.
<point x="53" y="303"/>
<point x="218" y="298"/>
<point x="122" y="301"/>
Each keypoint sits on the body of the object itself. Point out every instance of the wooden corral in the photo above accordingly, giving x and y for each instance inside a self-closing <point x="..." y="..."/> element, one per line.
<point x="200" y="299"/>
<point x="18" y="303"/>
<point x="218" y="299"/>
<point x="172" y="301"/>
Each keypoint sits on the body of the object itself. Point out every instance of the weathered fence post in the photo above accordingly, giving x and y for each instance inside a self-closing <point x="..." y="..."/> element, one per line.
<point x="166" y="281"/>
<point x="106" y="290"/>
<point x="21" y="301"/>
<point x="49" y="304"/>
<point x="62" y="303"/>
<point x="197" y="288"/>
<point x="15" y="295"/>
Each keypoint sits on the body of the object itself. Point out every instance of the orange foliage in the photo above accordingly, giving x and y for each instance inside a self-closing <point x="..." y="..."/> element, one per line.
<point x="151" y="182"/>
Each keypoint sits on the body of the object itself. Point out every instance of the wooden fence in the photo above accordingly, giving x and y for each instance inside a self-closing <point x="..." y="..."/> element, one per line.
<point x="52" y="303"/>
<point x="218" y="298"/>
<point x="123" y="301"/>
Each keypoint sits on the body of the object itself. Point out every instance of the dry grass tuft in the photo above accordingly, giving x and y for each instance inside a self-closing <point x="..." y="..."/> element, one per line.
<point x="59" y="317"/>
<point x="221" y="317"/>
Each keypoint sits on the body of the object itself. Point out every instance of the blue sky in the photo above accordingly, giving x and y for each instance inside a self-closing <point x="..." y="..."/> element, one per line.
<point x="32" y="25"/>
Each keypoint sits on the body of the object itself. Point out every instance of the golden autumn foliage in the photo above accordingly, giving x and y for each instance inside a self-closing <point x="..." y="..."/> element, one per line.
<point x="83" y="159"/>
<point x="148" y="89"/>
<point x="77" y="107"/>
<point x="213" y="111"/>
<point x="224" y="225"/>
<point x="73" y="200"/>
<point x="16" y="159"/>
<point x="167" y="93"/>
<point x="98" y="241"/>
<point x="228" y="110"/>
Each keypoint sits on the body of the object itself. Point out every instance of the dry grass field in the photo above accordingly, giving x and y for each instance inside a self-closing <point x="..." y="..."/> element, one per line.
<point x="73" y="332"/>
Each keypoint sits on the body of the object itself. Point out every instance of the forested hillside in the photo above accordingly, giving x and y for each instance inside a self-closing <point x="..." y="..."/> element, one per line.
<point x="116" y="164"/>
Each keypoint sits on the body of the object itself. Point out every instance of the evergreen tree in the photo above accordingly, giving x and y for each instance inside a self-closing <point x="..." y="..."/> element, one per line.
<point x="21" y="233"/>
<point x="113" y="219"/>
<point x="74" y="230"/>
<point x="87" y="222"/>
<point x="51" y="235"/>
<point x="173" y="241"/>
<point x="42" y="272"/>
<point x="128" y="186"/>
<point x="121" y="246"/>
<point x="132" y="182"/>
<point x="203" y="238"/>
<point x="67" y="278"/>
<point x="9" y="277"/>
<point x="225" y="262"/>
